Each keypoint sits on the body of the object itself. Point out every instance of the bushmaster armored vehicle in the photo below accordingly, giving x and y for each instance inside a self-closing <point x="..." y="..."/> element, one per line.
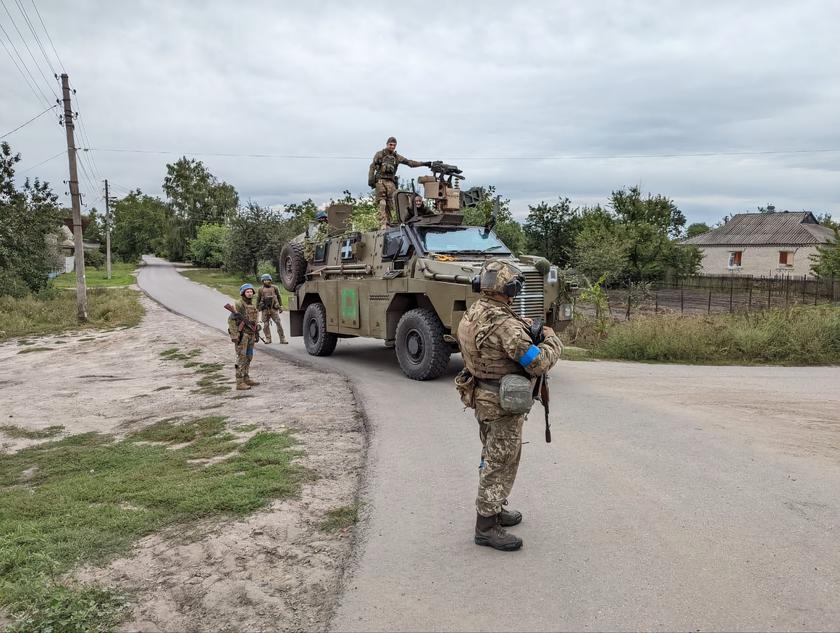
<point x="408" y="284"/>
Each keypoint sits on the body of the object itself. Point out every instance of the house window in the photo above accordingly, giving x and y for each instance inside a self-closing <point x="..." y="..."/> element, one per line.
<point x="785" y="259"/>
<point x="735" y="259"/>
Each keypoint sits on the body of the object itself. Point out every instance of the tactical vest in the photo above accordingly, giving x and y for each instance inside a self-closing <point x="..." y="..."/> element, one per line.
<point x="387" y="167"/>
<point x="250" y="310"/>
<point x="269" y="295"/>
<point x="482" y="358"/>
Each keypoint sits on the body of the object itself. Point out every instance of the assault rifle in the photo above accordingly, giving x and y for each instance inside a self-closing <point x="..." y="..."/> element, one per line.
<point x="541" y="387"/>
<point x="244" y="323"/>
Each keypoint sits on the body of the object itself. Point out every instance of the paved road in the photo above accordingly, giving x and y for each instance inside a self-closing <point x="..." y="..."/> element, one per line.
<point x="671" y="498"/>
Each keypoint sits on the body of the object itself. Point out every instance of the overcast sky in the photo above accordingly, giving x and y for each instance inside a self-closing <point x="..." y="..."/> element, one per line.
<point x="542" y="99"/>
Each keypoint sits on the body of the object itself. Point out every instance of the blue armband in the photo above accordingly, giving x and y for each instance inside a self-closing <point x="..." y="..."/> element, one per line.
<point x="529" y="356"/>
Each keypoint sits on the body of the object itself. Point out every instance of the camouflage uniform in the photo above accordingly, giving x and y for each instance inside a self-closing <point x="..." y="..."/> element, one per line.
<point x="382" y="175"/>
<point x="245" y="340"/>
<point x="268" y="300"/>
<point x="495" y="342"/>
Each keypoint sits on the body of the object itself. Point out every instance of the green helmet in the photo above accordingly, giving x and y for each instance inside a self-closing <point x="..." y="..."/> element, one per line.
<point x="501" y="277"/>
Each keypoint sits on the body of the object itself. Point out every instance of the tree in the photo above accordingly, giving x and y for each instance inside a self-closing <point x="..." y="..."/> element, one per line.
<point x="825" y="263"/>
<point x="698" y="228"/>
<point x="196" y="197"/>
<point x="601" y="247"/>
<point x="657" y="211"/>
<point x="826" y="220"/>
<point x="550" y="230"/>
<point x="27" y="217"/>
<point x="507" y="228"/>
<point x="94" y="231"/>
<point x="208" y="247"/>
<point x="252" y="237"/>
<point x="141" y="225"/>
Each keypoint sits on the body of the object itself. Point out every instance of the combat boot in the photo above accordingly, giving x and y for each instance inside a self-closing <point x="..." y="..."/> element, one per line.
<point x="509" y="518"/>
<point x="283" y="341"/>
<point x="489" y="532"/>
<point x="241" y="385"/>
<point x="249" y="382"/>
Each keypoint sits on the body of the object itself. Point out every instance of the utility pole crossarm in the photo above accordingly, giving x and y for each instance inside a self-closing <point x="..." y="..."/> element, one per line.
<point x="78" y="243"/>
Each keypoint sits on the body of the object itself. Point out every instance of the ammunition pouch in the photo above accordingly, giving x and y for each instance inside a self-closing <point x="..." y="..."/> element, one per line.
<point x="465" y="384"/>
<point x="516" y="394"/>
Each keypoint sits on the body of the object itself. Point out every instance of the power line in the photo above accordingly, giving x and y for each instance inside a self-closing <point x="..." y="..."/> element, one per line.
<point x="29" y="121"/>
<point x="524" y="158"/>
<point x="44" y="162"/>
<point x="37" y="39"/>
<point x="60" y="63"/>
<point x="30" y="81"/>
<point x="28" y="50"/>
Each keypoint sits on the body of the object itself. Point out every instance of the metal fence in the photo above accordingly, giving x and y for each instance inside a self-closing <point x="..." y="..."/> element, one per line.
<point x="710" y="294"/>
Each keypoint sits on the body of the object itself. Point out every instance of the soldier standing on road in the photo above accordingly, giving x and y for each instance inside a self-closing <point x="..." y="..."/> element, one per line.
<point x="244" y="338"/>
<point x="382" y="175"/>
<point x="268" y="300"/>
<point x="496" y="342"/>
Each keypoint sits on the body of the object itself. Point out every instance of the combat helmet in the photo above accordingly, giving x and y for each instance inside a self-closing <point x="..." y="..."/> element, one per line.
<point x="498" y="276"/>
<point x="266" y="277"/>
<point x="243" y="288"/>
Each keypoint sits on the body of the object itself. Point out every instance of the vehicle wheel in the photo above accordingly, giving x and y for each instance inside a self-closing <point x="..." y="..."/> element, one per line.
<point x="318" y="341"/>
<point x="292" y="266"/>
<point x="421" y="350"/>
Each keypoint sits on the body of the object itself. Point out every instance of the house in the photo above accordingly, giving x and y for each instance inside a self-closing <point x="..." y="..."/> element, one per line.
<point x="62" y="243"/>
<point x="771" y="244"/>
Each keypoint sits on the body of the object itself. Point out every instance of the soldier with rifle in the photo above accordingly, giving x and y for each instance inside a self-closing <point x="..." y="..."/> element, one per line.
<point x="243" y="328"/>
<point x="268" y="300"/>
<point x="505" y="368"/>
<point x="382" y="176"/>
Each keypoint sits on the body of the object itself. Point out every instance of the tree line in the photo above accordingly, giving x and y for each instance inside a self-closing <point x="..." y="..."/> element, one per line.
<point x="633" y="237"/>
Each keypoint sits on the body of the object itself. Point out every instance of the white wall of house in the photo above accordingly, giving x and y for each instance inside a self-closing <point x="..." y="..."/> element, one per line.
<point x="69" y="265"/>
<point x="757" y="260"/>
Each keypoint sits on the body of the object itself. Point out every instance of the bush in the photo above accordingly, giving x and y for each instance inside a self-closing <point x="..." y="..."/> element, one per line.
<point x="796" y="336"/>
<point x="94" y="259"/>
<point x="266" y="266"/>
<point x="208" y="247"/>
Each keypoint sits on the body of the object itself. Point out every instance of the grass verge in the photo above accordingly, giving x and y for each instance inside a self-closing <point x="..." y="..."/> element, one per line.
<point x="340" y="518"/>
<point x="97" y="277"/>
<point x="18" y="432"/>
<point x="54" y="312"/>
<point x="86" y="498"/>
<point x="227" y="283"/>
<point x="795" y="336"/>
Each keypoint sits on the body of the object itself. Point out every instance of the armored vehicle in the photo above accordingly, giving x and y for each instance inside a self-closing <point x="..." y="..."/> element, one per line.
<point x="408" y="284"/>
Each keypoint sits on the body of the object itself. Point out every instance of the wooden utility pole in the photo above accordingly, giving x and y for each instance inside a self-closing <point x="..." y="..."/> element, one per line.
<point x="107" y="231"/>
<point x="78" y="244"/>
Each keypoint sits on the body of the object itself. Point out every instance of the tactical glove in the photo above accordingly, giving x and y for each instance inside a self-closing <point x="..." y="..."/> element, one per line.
<point x="428" y="163"/>
<point x="371" y="183"/>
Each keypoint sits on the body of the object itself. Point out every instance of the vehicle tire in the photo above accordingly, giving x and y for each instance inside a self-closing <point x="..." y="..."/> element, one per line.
<point x="318" y="341"/>
<point x="292" y="266"/>
<point x="421" y="350"/>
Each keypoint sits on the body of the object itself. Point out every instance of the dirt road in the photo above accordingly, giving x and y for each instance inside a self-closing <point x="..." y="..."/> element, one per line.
<point x="672" y="497"/>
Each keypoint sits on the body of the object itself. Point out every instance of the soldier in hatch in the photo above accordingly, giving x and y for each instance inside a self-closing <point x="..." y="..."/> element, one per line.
<point x="495" y="342"/>
<point x="270" y="306"/>
<point x="382" y="175"/>
<point x="244" y="337"/>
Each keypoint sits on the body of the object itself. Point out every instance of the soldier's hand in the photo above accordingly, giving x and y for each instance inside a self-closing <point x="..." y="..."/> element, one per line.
<point x="428" y="163"/>
<point x="371" y="183"/>
<point x="547" y="331"/>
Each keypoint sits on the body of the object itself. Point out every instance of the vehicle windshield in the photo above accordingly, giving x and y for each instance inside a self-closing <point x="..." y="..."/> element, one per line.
<point x="465" y="239"/>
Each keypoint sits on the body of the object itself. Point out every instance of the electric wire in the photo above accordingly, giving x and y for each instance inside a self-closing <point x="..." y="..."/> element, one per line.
<point x="35" y="35"/>
<point x="23" y="125"/>
<point x="466" y="157"/>
<point x="44" y="162"/>
<point x="30" y="81"/>
<point x="44" y="26"/>
<point x="28" y="50"/>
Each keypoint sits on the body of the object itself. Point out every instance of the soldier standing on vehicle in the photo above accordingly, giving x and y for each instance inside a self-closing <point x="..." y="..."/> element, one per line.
<point x="244" y="338"/>
<point x="268" y="301"/>
<point x="382" y="175"/>
<point x="495" y="344"/>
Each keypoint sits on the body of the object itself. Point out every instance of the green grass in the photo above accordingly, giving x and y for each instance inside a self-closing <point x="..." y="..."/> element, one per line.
<point x="340" y="518"/>
<point x="89" y="497"/>
<point x="18" y="432"/>
<point x="795" y="336"/>
<point x="97" y="278"/>
<point x="29" y="350"/>
<point x="227" y="283"/>
<point x="211" y="381"/>
<point x="55" y="312"/>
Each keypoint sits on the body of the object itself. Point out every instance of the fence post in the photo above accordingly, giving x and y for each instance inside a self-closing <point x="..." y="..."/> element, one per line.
<point x="709" y="305"/>
<point x="803" y="289"/>
<point x="731" y="289"/>
<point x="629" y="298"/>
<point x="769" y="288"/>
<point x="749" y="308"/>
<point x="656" y="301"/>
<point x="682" y="301"/>
<point x="816" y="290"/>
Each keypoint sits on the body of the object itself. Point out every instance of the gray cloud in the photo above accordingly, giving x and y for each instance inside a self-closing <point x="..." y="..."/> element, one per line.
<point x="468" y="83"/>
